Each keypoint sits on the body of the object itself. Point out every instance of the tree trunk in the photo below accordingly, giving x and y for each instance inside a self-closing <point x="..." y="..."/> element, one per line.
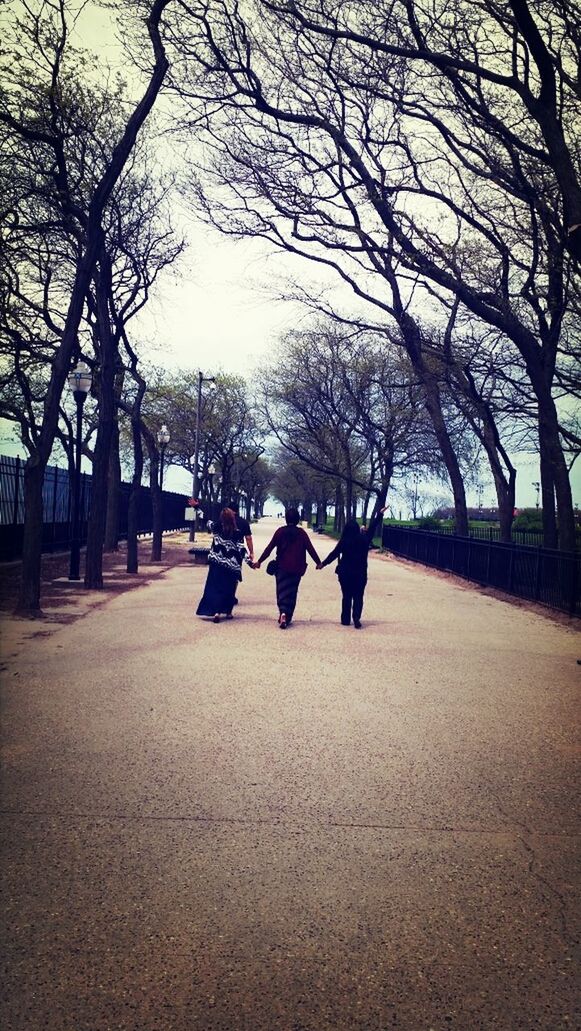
<point x="483" y="423"/>
<point x="504" y="484"/>
<point x="554" y="475"/>
<point x="413" y="345"/>
<point x="339" y="520"/>
<point x="434" y="406"/>
<point x="107" y="411"/>
<point x="348" y="501"/>
<point x="113" y="494"/>
<point x="366" y="501"/>
<point x="29" y="594"/>
<point x="549" y="515"/>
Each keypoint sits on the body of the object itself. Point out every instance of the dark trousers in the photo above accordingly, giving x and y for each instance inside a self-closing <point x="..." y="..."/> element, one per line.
<point x="352" y="603"/>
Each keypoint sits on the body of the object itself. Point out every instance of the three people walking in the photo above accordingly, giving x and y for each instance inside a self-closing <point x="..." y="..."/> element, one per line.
<point x="292" y="545"/>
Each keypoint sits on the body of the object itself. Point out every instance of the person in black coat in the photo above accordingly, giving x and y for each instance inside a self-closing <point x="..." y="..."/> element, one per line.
<point x="352" y="551"/>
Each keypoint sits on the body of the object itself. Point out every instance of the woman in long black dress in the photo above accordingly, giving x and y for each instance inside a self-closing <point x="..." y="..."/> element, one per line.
<point x="352" y="550"/>
<point x="224" y="563"/>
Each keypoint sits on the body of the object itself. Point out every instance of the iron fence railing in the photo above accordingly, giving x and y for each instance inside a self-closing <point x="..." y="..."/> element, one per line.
<point x="550" y="577"/>
<point x="56" y="531"/>
<point x="532" y="538"/>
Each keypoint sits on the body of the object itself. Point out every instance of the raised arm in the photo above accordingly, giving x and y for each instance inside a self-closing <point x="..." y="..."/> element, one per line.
<point x="369" y="533"/>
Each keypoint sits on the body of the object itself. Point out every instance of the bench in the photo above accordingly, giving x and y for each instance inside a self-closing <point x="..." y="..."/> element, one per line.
<point x="200" y="555"/>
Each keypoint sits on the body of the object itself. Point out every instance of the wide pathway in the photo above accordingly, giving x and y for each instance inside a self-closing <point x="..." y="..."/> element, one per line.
<point x="233" y="827"/>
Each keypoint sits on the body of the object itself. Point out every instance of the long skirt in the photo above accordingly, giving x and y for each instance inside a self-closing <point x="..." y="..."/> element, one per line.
<point x="287" y="586"/>
<point x="219" y="591"/>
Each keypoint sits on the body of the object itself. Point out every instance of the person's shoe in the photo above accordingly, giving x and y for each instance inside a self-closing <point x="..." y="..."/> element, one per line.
<point x="229" y="615"/>
<point x="282" y="621"/>
<point x="345" y="622"/>
<point x="217" y="618"/>
<point x="357" y="624"/>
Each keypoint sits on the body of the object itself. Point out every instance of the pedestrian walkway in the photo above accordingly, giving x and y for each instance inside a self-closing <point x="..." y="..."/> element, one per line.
<point x="229" y="827"/>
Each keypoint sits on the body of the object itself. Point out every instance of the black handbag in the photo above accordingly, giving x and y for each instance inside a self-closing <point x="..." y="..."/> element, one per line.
<point x="272" y="567"/>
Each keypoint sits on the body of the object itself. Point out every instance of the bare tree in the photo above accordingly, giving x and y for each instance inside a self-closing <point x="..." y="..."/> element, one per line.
<point x="348" y="407"/>
<point x="379" y="145"/>
<point x="42" y="125"/>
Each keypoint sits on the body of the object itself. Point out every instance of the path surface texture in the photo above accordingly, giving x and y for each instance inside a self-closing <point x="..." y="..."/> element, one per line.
<point x="235" y="827"/>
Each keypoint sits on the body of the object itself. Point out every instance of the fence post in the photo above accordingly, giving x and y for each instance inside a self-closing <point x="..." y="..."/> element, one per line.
<point x="573" y="602"/>
<point x="82" y="513"/>
<point x="488" y="556"/>
<point x="469" y="557"/>
<point x="538" y="575"/>
<point x="16" y="490"/>
<point x="511" y="568"/>
<point x="54" y="493"/>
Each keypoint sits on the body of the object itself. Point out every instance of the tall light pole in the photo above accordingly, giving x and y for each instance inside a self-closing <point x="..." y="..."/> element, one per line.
<point x="79" y="380"/>
<point x="537" y="487"/>
<point x="211" y="474"/>
<point x="201" y="380"/>
<point x="163" y="439"/>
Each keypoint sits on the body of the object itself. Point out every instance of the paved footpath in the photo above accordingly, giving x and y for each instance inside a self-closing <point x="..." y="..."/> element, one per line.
<point x="233" y="827"/>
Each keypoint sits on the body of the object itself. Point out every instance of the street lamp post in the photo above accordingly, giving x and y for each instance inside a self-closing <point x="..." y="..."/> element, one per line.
<point x="79" y="380"/>
<point x="163" y="439"/>
<point x="201" y="380"/>
<point x="211" y="474"/>
<point x="537" y="487"/>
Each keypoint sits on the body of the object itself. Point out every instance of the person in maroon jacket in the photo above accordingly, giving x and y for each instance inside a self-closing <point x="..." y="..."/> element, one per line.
<point x="292" y="544"/>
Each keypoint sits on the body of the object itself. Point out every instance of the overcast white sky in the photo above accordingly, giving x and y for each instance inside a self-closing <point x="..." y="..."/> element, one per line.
<point x="216" y="312"/>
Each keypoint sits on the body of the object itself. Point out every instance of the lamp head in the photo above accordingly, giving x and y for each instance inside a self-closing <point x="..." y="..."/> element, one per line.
<point x="80" y="378"/>
<point x="163" y="436"/>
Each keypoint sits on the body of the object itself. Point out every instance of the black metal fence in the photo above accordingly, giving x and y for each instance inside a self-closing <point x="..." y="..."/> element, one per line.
<point x="532" y="538"/>
<point x="538" y="574"/>
<point x="56" y="531"/>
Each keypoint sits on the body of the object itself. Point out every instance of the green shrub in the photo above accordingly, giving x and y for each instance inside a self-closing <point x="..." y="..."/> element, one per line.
<point x="428" y="523"/>
<point x="529" y="519"/>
